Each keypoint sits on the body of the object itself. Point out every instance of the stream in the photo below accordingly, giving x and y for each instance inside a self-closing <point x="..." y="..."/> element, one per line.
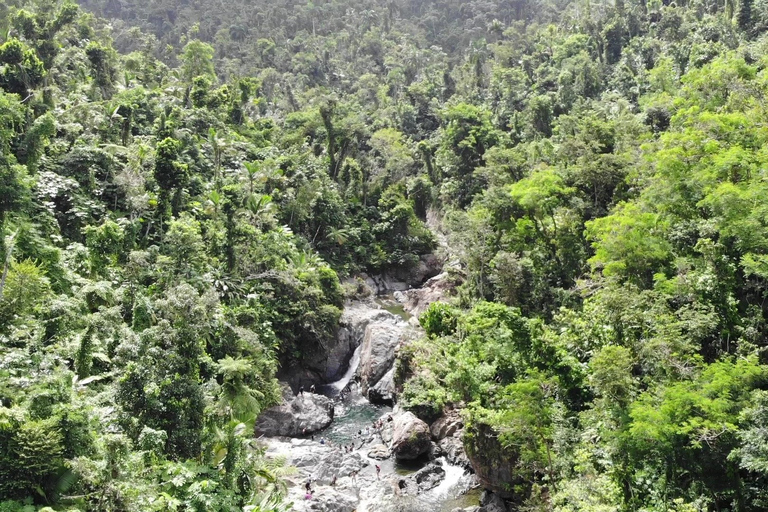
<point x="365" y="491"/>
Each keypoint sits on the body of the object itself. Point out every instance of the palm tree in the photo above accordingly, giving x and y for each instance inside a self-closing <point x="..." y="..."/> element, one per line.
<point x="259" y="205"/>
<point x="213" y="203"/>
<point x="305" y="260"/>
<point x="338" y="235"/>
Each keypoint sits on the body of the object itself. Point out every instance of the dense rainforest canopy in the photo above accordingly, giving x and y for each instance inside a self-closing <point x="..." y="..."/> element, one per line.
<point x="184" y="185"/>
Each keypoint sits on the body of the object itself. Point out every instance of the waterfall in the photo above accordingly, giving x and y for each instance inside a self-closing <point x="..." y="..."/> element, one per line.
<point x="336" y="387"/>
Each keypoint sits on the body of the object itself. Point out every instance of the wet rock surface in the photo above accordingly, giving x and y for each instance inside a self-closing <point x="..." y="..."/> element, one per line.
<point x="357" y="483"/>
<point x="305" y="414"/>
<point x="423" y="480"/>
<point x="452" y="448"/>
<point x="492" y="502"/>
<point x="383" y="392"/>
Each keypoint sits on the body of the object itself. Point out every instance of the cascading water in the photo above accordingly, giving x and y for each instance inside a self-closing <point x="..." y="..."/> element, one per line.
<point x="324" y="455"/>
<point x="334" y="388"/>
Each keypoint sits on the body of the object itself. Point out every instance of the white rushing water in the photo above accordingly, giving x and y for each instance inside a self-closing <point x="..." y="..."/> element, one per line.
<point x="354" y="362"/>
<point x="449" y="486"/>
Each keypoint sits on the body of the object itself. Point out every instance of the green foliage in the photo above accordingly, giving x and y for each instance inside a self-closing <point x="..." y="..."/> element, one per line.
<point x="22" y="70"/>
<point x="197" y="60"/>
<point x="628" y="244"/>
<point x="439" y="319"/>
<point x="183" y="187"/>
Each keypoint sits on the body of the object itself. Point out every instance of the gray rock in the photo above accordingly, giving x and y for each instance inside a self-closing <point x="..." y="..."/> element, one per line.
<point x="429" y="477"/>
<point x="410" y="437"/>
<point x="494" y="465"/>
<point x="327" y="499"/>
<point x="322" y="364"/>
<point x="423" y="480"/>
<point x="306" y="459"/>
<point x="286" y="392"/>
<point x="379" y="452"/>
<point x="452" y="448"/>
<point x="436" y="289"/>
<point x="383" y="392"/>
<point x="352" y="325"/>
<point x="305" y="414"/>
<point x="337" y="464"/>
<point x="381" y="339"/>
<point x="447" y="425"/>
<point x="386" y="431"/>
<point x="353" y="463"/>
<point x="384" y="285"/>
<point x="430" y="265"/>
<point x="492" y="502"/>
<point x="327" y="467"/>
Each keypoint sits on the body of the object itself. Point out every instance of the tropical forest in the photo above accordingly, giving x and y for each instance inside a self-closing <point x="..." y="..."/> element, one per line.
<point x="384" y="255"/>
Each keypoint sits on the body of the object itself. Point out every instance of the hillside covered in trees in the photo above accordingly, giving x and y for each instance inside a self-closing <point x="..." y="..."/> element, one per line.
<point x="185" y="186"/>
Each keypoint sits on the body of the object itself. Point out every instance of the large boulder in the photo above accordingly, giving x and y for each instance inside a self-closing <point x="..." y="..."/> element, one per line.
<point x="380" y="341"/>
<point x="447" y="425"/>
<point x="423" y="480"/>
<point x="352" y="325"/>
<point x="429" y="265"/>
<point x="384" y="284"/>
<point x="492" y="502"/>
<point x="305" y="414"/>
<point x="436" y="289"/>
<point x="336" y="464"/>
<point x="383" y="392"/>
<point x="452" y="449"/>
<point x="386" y="430"/>
<point x="410" y="437"/>
<point x="493" y="464"/>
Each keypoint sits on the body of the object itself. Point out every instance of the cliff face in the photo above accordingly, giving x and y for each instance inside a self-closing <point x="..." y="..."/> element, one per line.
<point x="493" y="464"/>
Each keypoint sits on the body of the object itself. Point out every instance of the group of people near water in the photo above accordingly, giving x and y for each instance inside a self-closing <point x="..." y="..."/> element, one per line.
<point x="363" y="434"/>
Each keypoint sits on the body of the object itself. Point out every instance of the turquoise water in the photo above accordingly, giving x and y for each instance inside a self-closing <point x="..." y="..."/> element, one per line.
<point x="352" y="414"/>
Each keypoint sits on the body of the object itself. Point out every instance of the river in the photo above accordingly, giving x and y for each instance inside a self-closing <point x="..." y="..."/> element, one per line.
<point x="321" y="458"/>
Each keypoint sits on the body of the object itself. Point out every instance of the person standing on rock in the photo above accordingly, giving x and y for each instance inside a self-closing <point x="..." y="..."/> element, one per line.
<point x="378" y="472"/>
<point x="312" y="388"/>
<point x="301" y="390"/>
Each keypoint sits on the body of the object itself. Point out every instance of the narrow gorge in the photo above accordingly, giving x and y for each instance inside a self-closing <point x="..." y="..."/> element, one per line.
<point x="329" y="436"/>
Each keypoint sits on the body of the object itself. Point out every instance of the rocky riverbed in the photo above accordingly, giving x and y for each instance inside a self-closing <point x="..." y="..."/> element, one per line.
<point x="329" y="436"/>
<point x="427" y="483"/>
